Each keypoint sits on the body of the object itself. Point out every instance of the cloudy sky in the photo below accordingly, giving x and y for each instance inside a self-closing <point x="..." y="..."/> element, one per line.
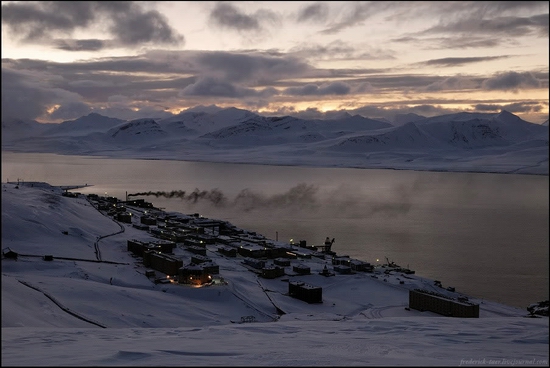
<point x="63" y="60"/>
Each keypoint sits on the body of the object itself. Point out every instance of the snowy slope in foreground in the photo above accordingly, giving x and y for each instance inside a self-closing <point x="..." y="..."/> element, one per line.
<point x="80" y="312"/>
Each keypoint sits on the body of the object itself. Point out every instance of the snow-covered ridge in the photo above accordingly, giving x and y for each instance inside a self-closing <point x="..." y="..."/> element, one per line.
<point x="464" y="141"/>
<point x="148" y="128"/>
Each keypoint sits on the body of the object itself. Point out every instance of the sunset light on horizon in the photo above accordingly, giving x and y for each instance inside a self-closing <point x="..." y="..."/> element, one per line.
<point x="129" y="60"/>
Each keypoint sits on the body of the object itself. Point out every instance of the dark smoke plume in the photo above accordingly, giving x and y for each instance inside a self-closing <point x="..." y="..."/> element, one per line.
<point x="301" y="195"/>
<point x="342" y="201"/>
<point x="215" y="196"/>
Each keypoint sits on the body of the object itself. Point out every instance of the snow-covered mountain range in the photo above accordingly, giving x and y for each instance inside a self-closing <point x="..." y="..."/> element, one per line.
<point x="478" y="142"/>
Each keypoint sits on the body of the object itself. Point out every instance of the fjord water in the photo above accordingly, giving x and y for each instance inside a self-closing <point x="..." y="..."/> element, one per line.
<point x="487" y="235"/>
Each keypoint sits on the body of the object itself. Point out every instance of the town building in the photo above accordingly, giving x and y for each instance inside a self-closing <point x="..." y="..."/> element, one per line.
<point x="271" y="271"/>
<point x="301" y="269"/>
<point x="307" y="293"/>
<point x="424" y="300"/>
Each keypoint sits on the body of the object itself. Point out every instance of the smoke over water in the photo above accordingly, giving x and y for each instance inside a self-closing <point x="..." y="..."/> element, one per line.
<point x="341" y="202"/>
<point x="246" y="200"/>
<point x="214" y="196"/>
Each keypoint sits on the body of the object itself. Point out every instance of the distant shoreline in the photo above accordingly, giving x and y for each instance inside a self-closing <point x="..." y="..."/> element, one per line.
<point x="282" y="163"/>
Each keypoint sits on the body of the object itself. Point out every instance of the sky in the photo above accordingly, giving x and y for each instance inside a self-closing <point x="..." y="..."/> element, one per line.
<point x="74" y="311"/>
<point x="63" y="60"/>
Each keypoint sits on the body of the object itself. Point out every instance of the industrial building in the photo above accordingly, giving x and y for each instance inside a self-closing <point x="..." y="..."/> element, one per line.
<point x="424" y="300"/>
<point x="193" y="274"/>
<point x="196" y="250"/>
<point x="251" y="250"/>
<point x="164" y="263"/>
<point x="284" y="262"/>
<point x="227" y="251"/>
<point x="307" y="293"/>
<point x="255" y="263"/>
<point x="272" y="272"/>
<point x="301" y="269"/>
<point x="199" y="258"/>
<point x="148" y="220"/>
<point x="342" y="269"/>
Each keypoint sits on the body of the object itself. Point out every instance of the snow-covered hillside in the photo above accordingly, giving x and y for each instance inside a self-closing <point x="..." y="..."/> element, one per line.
<point x="137" y="133"/>
<point x="477" y="142"/>
<point x="90" y="123"/>
<point x="91" y="302"/>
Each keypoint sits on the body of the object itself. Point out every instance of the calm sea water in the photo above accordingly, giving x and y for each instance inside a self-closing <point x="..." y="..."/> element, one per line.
<point x="487" y="235"/>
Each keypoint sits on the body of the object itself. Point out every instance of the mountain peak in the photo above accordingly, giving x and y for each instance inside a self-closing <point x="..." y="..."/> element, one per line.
<point x="210" y="109"/>
<point x="94" y="114"/>
<point x="504" y="113"/>
<point x="505" y="116"/>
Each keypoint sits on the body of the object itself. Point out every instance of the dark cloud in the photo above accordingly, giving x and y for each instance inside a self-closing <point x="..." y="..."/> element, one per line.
<point x="481" y="17"/>
<point x="352" y="76"/>
<point x="511" y="81"/>
<point x="522" y="107"/>
<point x="228" y="16"/>
<point x="455" y="83"/>
<point x="137" y="27"/>
<point x="517" y="107"/>
<point x="399" y="82"/>
<point x="266" y="93"/>
<point x="128" y="23"/>
<point x="468" y="24"/>
<point x="157" y="78"/>
<point x="79" y="45"/>
<point x="424" y="110"/>
<point x="234" y="66"/>
<point x="487" y="107"/>
<point x="70" y="111"/>
<point x="501" y="26"/>
<point x="48" y="95"/>
<point x="339" y="50"/>
<point x="469" y="42"/>
<point x="542" y="76"/>
<point x="389" y="110"/>
<point x="153" y="88"/>
<point x="310" y="113"/>
<point x="363" y="87"/>
<point x="376" y="111"/>
<point x="125" y="113"/>
<point x="127" y="87"/>
<point x="437" y="107"/>
<point x="449" y="10"/>
<point x="22" y="101"/>
<point x="88" y="83"/>
<point x="542" y="24"/>
<point x="259" y="67"/>
<point x="492" y="8"/>
<point x="95" y="83"/>
<point x="36" y="20"/>
<point x="357" y="12"/>
<point x="317" y="12"/>
<point x="456" y="61"/>
<point x="335" y="88"/>
<point x="214" y="87"/>
<point x="164" y="70"/>
<point x="28" y="95"/>
<point x="465" y="41"/>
